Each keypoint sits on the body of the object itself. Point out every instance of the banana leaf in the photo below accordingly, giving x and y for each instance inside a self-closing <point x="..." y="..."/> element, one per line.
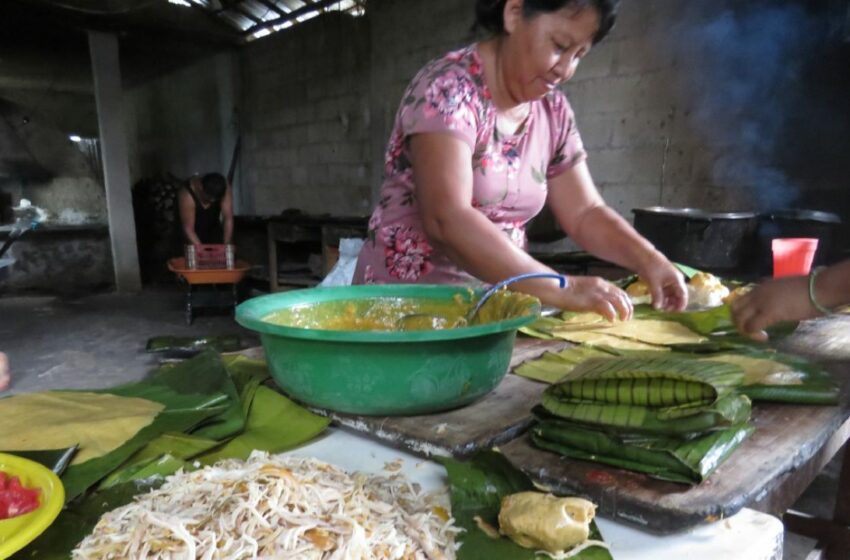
<point x="204" y="374"/>
<point x="243" y="369"/>
<point x="505" y="304"/>
<point x="79" y="478"/>
<point x="706" y="321"/>
<point x="553" y="366"/>
<point x="727" y="411"/>
<point x="180" y="447"/>
<point x="247" y="376"/>
<point x="191" y="345"/>
<point x="56" y="460"/>
<point x="274" y="424"/>
<point x="778" y="377"/>
<point x="667" y="395"/>
<point x="809" y="384"/>
<point x="649" y="381"/>
<point x="78" y="520"/>
<point x="158" y="466"/>
<point x="477" y="487"/>
<point x="679" y="460"/>
<point x="195" y="392"/>
<point x="542" y="328"/>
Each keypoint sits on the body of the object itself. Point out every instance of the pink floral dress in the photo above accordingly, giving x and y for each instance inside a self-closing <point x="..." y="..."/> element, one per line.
<point x="510" y="173"/>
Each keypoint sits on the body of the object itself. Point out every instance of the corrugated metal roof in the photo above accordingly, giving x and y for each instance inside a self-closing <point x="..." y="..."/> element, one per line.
<point x="258" y="18"/>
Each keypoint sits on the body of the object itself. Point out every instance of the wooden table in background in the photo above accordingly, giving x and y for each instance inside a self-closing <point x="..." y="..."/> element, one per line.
<point x="311" y="234"/>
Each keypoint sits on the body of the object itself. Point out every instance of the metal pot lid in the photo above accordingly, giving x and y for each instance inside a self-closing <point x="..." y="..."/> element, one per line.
<point x="802" y="215"/>
<point x="694" y="213"/>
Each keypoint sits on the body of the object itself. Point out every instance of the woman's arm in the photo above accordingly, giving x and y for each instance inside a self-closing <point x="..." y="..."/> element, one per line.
<point x="586" y="218"/>
<point x="187" y="217"/>
<point x="443" y="178"/>
<point x="787" y="299"/>
<point x="227" y="214"/>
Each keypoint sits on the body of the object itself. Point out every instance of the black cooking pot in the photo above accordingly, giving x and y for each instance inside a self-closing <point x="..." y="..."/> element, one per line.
<point x="822" y="226"/>
<point x="716" y="241"/>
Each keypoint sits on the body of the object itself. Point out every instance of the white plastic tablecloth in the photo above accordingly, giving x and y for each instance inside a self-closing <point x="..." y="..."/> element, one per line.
<point x="749" y="535"/>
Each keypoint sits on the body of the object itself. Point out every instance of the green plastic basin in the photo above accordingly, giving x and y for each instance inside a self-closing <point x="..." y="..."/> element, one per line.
<point x="382" y="372"/>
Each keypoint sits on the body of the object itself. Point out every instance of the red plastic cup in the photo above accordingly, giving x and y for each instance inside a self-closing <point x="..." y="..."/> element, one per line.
<point x="793" y="257"/>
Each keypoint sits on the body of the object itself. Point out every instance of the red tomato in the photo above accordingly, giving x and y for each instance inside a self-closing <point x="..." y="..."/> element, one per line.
<point x="15" y="499"/>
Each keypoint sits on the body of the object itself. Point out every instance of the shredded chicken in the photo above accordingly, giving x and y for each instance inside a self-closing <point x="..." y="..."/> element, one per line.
<point x="575" y="551"/>
<point x="277" y="507"/>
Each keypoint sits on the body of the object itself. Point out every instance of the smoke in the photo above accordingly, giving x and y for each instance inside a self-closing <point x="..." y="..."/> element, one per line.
<point x="740" y="70"/>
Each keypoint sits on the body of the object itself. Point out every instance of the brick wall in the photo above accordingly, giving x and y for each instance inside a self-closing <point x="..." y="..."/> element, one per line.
<point x="306" y="118"/>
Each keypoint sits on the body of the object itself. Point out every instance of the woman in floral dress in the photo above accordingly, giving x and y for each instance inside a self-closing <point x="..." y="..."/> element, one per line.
<point x="483" y="139"/>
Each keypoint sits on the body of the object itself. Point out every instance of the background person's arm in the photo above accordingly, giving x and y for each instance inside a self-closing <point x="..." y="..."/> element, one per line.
<point x="600" y="230"/>
<point x="787" y="299"/>
<point x="227" y="215"/>
<point x="187" y="217"/>
<point x="442" y="172"/>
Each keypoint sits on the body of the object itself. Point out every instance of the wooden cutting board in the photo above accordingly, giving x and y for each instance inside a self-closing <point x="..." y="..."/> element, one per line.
<point x="788" y="438"/>
<point x="500" y="416"/>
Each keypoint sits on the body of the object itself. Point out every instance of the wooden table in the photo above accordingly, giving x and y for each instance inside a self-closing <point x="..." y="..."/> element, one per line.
<point x="791" y="445"/>
<point x="306" y="234"/>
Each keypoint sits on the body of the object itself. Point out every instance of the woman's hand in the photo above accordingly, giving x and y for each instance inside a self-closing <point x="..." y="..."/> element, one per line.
<point x="666" y="283"/>
<point x="783" y="299"/>
<point x="591" y="293"/>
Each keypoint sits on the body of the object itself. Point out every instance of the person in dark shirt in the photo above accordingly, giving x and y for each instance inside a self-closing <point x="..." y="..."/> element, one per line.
<point x="206" y="210"/>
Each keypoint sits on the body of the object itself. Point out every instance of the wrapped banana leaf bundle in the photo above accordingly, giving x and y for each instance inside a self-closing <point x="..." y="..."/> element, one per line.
<point x="663" y="396"/>
<point x="688" y="461"/>
<point x="769" y="376"/>
<point x="670" y="417"/>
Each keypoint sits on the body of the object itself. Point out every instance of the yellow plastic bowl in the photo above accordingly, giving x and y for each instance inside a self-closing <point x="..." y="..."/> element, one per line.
<point x="17" y="532"/>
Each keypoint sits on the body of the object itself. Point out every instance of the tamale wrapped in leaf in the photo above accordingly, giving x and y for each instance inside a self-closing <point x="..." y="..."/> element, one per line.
<point x="767" y="375"/>
<point x="679" y="460"/>
<point x="477" y="488"/>
<point x="730" y="410"/>
<point x="650" y="395"/>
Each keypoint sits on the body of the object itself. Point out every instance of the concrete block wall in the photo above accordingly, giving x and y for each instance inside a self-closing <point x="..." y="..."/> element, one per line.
<point x="642" y="151"/>
<point x="405" y="35"/>
<point x="306" y="118"/>
<point x="183" y="122"/>
<point x="665" y="118"/>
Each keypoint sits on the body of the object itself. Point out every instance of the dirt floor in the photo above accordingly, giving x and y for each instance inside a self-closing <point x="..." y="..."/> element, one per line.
<point x="99" y="341"/>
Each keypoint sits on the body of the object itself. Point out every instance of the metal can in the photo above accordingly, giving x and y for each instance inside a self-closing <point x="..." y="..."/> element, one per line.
<point x="191" y="257"/>
<point x="230" y="256"/>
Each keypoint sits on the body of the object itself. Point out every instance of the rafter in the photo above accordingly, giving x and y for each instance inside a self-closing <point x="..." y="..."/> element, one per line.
<point x="291" y="16"/>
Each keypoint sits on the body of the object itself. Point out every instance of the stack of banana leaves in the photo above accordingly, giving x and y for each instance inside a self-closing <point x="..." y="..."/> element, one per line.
<point x="109" y="445"/>
<point x="671" y="418"/>
<point x="664" y="394"/>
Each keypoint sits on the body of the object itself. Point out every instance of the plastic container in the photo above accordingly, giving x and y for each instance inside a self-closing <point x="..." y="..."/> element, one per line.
<point x="221" y="275"/>
<point x="211" y="256"/>
<point x="382" y="372"/>
<point x="799" y="223"/>
<point x="793" y="257"/>
<point x="17" y="532"/>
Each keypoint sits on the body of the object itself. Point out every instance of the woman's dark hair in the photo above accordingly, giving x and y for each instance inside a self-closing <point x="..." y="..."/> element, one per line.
<point x="214" y="184"/>
<point x="489" y="14"/>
